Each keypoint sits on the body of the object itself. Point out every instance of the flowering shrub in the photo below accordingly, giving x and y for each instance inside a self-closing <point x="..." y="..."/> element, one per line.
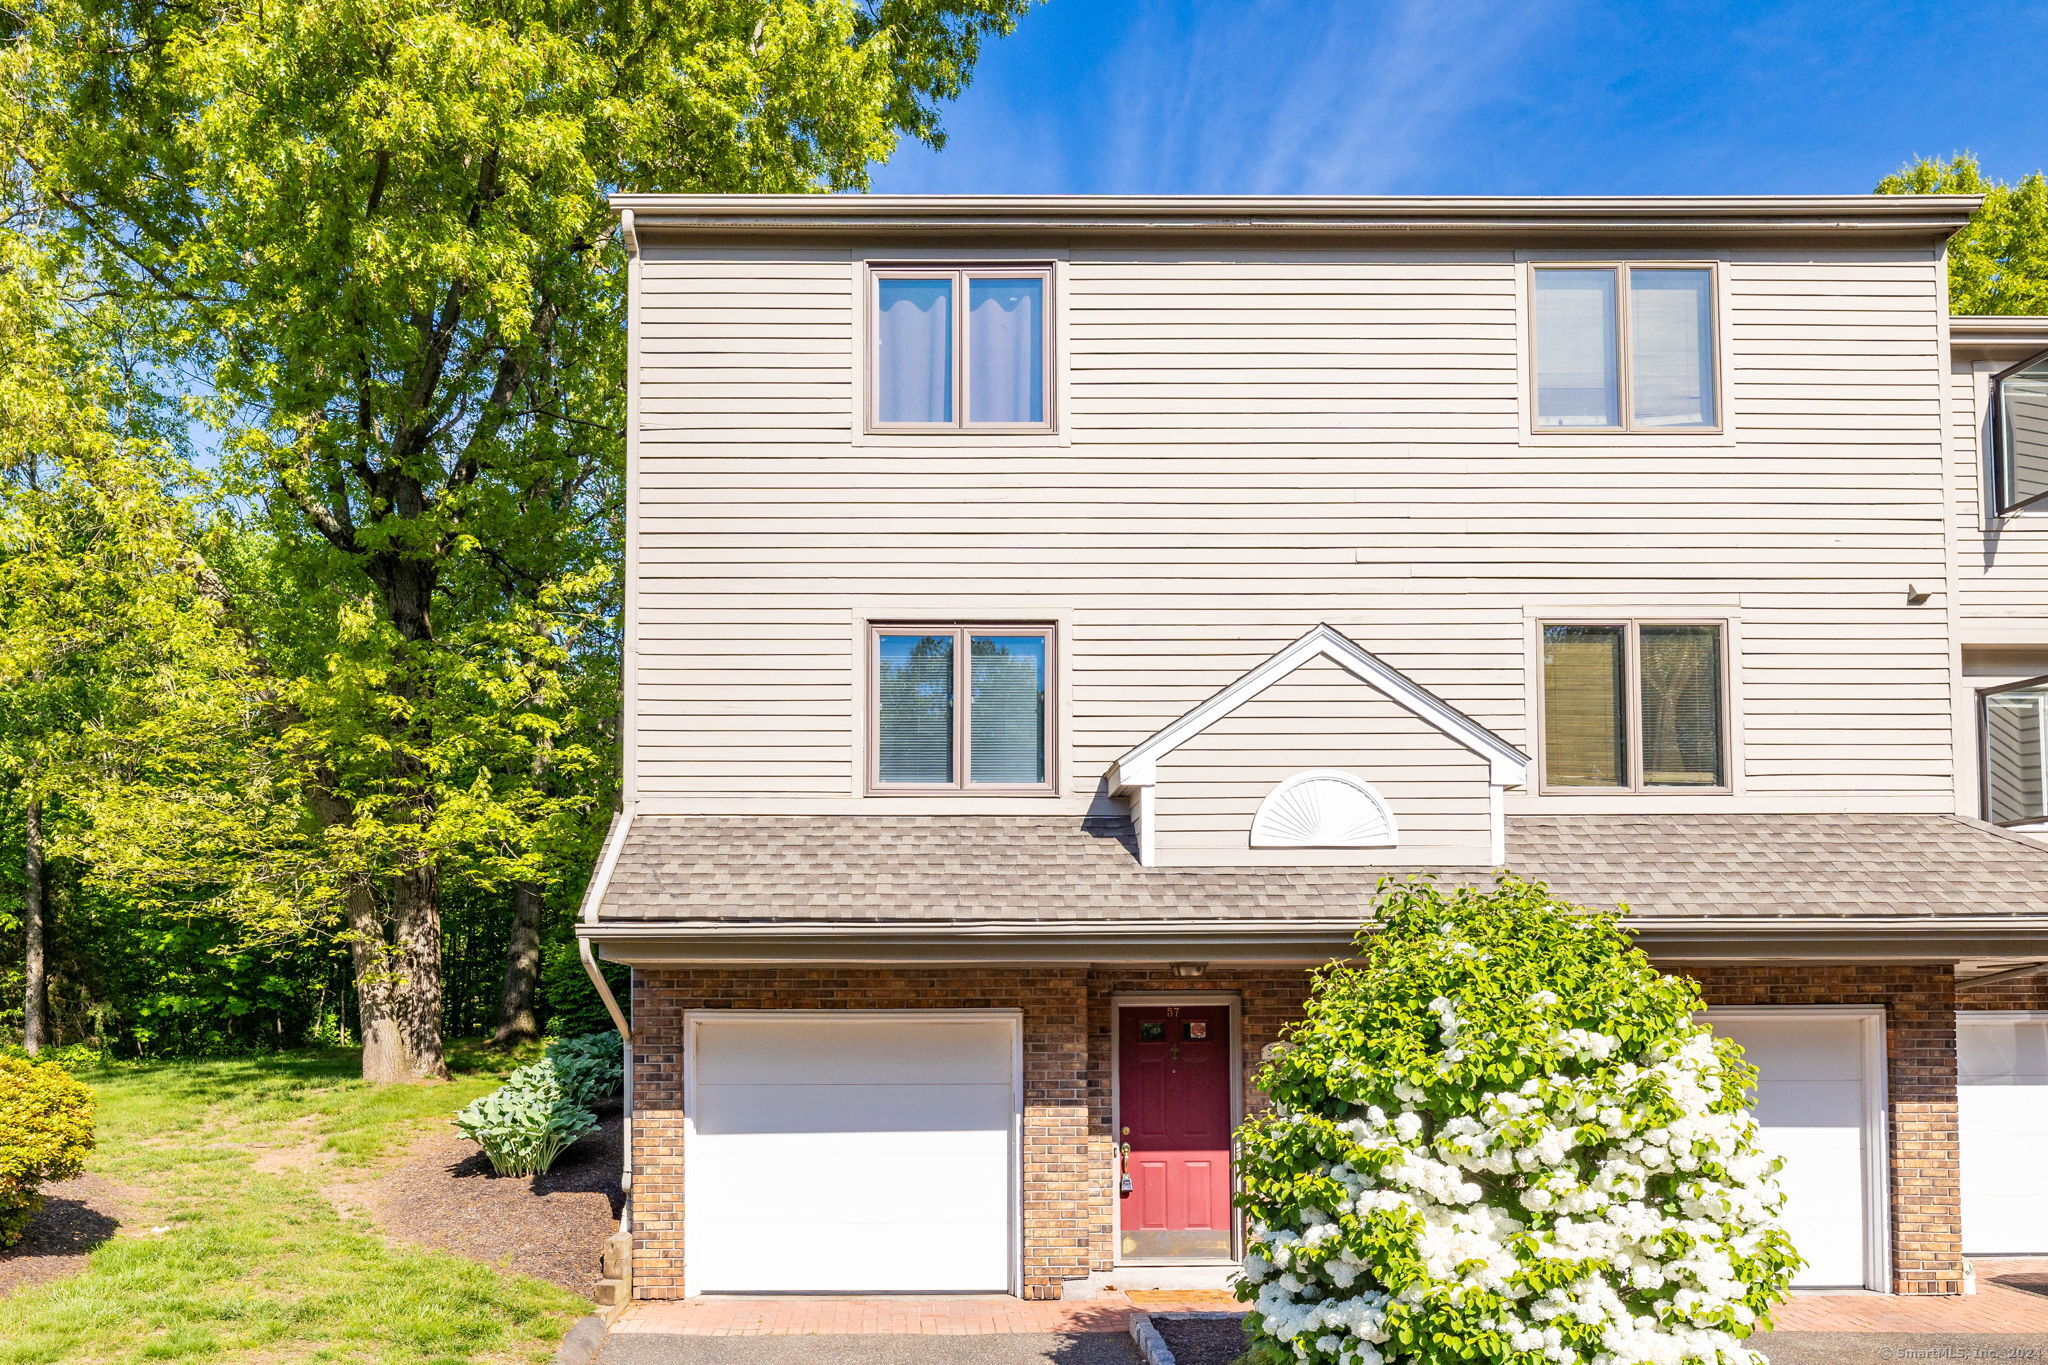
<point x="1504" y="1138"/>
<point x="528" y="1121"/>
<point x="45" y="1134"/>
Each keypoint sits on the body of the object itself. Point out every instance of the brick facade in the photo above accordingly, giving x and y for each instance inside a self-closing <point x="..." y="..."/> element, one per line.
<point x="2023" y="993"/>
<point x="1060" y="1199"/>
<point x="1920" y="1048"/>
<point x="1069" y="1156"/>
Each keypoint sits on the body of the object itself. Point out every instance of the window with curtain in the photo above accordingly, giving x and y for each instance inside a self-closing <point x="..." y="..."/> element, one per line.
<point x="961" y="348"/>
<point x="2012" y="734"/>
<point x="962" y="707"/>
<point x="1633" y="705"/>
<point x="1624" y="348"/>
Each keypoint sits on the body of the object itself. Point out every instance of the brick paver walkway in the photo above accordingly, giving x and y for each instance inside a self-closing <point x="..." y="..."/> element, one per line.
<point x="2012" y="1296"/>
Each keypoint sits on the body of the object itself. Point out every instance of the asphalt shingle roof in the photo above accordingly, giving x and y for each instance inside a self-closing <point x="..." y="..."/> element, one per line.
<point x="768" y="869"/>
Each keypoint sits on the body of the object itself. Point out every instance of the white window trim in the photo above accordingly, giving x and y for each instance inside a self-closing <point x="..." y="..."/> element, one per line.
<point x="1877" y="1180"/>
<point x="694" y="1019"/>
<point x="1731" y="713"/>
<point x="875" y="271"/>
<point x="1720" y="433"/>
<point x="1235" y="1004"/>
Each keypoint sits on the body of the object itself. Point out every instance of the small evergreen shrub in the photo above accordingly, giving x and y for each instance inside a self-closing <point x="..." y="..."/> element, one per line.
<point x="1503" y="1138"/>
<point x="526" y="1123"/>
<point x="45" y="1133"/>
<point x="592" y="1066"/>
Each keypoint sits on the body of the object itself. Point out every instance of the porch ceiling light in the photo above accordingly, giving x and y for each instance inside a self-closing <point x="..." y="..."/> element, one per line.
<point x="1190" y="968"/>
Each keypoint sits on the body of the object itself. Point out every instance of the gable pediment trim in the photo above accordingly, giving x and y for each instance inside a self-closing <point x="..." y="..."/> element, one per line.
<point x="1507" y="766"/>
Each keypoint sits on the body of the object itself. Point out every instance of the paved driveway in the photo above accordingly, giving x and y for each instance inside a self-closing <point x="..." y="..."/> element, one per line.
<point x="1008" y="1348"/>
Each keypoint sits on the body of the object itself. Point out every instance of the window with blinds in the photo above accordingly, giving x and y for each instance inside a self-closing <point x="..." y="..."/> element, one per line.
<point x="1624" y="348"/>
<point x="961" y="708"/>
<point x="1632" y="705"/>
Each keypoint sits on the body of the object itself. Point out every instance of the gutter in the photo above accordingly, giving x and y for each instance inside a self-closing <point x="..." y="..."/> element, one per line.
<point x="1276" y="942"/>
<point x="1402" y="214"/>
<point x="593" y="896"/>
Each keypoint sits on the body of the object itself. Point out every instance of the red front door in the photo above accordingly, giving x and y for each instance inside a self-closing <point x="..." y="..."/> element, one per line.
<point x="1173" y="1107"/>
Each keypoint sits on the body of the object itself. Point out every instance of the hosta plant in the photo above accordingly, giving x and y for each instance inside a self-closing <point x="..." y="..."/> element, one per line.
<point x="591" y="1065"/>
<point x="45" y="1134"/>
<point x="526" y="1123"/>
<point x="1503" y="1136"/>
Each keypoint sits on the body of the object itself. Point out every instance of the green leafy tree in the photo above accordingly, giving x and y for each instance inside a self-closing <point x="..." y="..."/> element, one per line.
<point x="1999" y="263"/>
<point x="1504" y="1137"/>
<point x="378" y="228"/>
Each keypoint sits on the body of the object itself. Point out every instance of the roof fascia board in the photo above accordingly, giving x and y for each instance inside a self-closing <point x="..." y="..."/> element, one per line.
<point x="1937" y="215"/>
<point x="2016" y="331"/>
<point x="1806" y="940"/>
<point x="1507" y="765"/>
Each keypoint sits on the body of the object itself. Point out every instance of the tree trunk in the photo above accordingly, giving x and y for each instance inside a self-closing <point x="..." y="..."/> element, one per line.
<point x="397" y="973"/>
<point x="35" y="1012"/>
<point x="516" y="1023"/>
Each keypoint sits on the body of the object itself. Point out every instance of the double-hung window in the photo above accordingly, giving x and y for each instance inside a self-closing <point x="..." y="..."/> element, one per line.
<point x="967" y="349"/>
<point x="2012" y="738"/>
<point x="1634" y="705"/>
<point x="1624" y="348"/>
<point x="961" y="708"/>
<point x="2020" y="434"/>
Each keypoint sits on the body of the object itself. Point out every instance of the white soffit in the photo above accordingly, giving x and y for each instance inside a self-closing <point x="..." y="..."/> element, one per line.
<point x="1508" y="765"/>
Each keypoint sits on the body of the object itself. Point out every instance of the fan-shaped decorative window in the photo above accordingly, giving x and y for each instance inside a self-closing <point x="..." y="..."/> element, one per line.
<point x="1323" y="810"/>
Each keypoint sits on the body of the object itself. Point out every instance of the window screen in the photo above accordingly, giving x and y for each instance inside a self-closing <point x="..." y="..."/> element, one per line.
<point x="1634" y="705"/>
<point x="1585" y="729"/>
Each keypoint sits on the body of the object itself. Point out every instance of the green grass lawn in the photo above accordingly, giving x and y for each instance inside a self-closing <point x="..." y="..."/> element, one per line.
<point x="257" y="1267"/>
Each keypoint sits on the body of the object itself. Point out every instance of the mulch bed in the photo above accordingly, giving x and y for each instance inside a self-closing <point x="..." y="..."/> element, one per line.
<point x="77" y="1215"/>
<point x="1202" y="1340"/>
<point x="553" y="1226"/>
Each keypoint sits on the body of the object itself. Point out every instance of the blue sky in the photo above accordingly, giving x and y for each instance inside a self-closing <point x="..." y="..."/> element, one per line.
<point x="1462" y="97"/>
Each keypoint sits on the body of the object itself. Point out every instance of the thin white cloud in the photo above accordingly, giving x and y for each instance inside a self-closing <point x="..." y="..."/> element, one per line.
<point x="1303" y="96"/>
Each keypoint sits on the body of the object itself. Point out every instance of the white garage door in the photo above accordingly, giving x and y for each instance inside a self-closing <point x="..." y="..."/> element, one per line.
<point x="2002" y="1110"/>
<point x="1814" y="1102"/>
<point x="849" y="1151"/>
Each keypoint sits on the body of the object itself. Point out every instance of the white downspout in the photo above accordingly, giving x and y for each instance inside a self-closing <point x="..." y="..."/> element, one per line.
<point x="593" y="895"/>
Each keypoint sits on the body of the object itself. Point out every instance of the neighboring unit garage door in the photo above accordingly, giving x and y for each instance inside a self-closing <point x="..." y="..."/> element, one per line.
<point x="1816" y="1096"/>
<point x="849" y="1151"/>
<point x="2002" y="1111"/>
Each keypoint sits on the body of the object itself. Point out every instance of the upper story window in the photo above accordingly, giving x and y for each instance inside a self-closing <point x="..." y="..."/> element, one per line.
<point x="1634" y="705"/>
<point x="1624" y="348"/>
<point x="966" y="349"/>
<point x="961" y="708"/>
<point x="2012" y="737"/>
<point x="2019" y="409"/>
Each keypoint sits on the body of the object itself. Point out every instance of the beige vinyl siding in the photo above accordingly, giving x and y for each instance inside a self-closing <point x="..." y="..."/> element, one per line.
<point x="1320" y="716"/>
<point x="1255" y="442"/>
